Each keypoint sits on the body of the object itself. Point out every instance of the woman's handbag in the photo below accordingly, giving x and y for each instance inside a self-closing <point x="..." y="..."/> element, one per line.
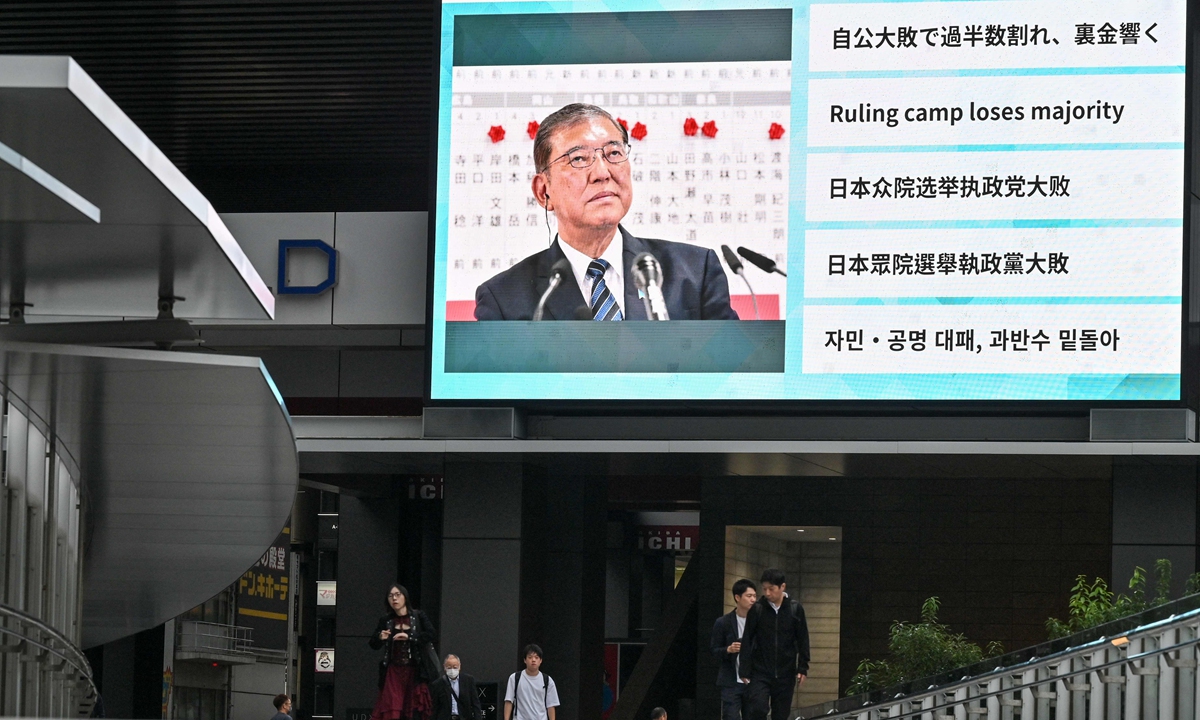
<point x="429" y="664"/>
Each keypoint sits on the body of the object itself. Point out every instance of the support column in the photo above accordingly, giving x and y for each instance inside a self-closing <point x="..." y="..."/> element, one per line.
<point x="563" y="584"/>
<point x="368" y="540"/>
<point x="1154" y="516"/>
<point x="117" y="689"/>
<point x="132" y="675"/>
<point x="481" y="567"/>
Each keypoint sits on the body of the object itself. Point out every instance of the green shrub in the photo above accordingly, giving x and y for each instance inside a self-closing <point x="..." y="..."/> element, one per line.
<point x="925" y="648"/>
<point x="917" y="650"/>
<point x="1094" y="604"/>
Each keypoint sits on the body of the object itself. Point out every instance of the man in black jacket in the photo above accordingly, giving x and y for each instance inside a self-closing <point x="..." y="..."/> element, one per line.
<point x="726" y="646"/>
<point x="454" y="694"/>
<point x="777" y="641"/>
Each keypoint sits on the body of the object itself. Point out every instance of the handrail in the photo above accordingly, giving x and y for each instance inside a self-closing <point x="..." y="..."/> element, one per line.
<point x="984" y="679"/>
<point x="70" y="653"/>
<point x="1032" y="664"/>
<point x="224" y="639"/>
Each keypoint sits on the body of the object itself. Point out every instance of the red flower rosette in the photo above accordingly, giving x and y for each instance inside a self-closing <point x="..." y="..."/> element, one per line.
<point x="776" y="131"/>
<point x="496" y="133"/>
<point x="531" y="128"/>
<point x="623" y="123"/>
<point x="690" y="127"/>
<point x="638" y="132"/>
<point x="709" y="129"/>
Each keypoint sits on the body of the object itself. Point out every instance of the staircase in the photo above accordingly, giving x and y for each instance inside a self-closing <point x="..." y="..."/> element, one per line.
<point x="42" y="662"/>
<point x="1138" y="668"/>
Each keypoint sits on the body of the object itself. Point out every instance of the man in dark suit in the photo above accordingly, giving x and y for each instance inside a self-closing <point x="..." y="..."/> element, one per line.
<point x="454" y="694"/>
<point x="726" y="646"/>
<point x="694" y="286"/>
<point x="582" y="157"/>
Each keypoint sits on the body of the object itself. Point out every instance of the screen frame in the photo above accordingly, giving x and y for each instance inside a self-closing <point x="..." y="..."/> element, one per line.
<point x="1189" y="313"/>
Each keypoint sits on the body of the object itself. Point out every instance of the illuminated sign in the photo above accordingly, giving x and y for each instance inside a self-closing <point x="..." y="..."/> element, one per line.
<point x="262" y="595"/>
<point x="824" y="201"/>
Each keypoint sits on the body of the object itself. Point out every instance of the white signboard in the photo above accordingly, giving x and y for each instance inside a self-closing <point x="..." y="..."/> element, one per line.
<point x="327" y="592"/>
<point x="324" y="660"/>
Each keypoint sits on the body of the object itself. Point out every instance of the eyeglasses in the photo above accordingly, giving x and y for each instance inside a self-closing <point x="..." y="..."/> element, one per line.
<point x="395" y="595"/>
<point x="615" y="152"/>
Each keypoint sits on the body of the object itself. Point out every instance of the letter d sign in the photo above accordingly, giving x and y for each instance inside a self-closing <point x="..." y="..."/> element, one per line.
<point x="282" y="287"/>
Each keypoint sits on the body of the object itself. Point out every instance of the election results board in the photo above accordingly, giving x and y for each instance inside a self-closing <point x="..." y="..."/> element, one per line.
<point x="970" y="200"/>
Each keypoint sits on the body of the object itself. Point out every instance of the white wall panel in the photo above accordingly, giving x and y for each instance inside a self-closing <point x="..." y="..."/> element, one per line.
<point x="382" y="273"/>
<point x="381" y="265"/>
<point x="259" y="235"/>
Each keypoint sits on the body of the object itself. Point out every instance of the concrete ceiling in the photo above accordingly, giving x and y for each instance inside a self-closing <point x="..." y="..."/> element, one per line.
<point x="796" y="533"/>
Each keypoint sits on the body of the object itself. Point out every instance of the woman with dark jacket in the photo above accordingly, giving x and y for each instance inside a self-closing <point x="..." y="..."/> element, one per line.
<point x="402" y="633"/>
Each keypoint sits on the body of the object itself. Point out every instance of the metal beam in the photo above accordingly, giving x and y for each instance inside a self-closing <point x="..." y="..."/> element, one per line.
<point x="96" y="221"/>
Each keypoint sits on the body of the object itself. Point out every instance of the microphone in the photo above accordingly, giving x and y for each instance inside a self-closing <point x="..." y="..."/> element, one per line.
<point x="731" y="259"/>
<point x="736" y="266"/>
<point x="647" y="274"/>
<point x="762" y="262"/>
<point x="558" y="271"/>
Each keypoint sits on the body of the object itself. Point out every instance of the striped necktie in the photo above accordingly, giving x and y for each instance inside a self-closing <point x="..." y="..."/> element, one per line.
<point x="604" y="305"/>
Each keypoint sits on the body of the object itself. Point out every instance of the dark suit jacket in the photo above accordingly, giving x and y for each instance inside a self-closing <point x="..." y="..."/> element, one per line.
<point x="724" y="634"/>
<point x="694" y="285"/>
<point x="469" y="707"/>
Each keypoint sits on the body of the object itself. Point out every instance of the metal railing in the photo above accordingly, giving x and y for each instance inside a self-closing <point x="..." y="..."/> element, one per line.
<point x="1147" y="672"/>
<point x="214" y="639"/>
<point x="269" y="655"/>
<point x="48" y="647"/>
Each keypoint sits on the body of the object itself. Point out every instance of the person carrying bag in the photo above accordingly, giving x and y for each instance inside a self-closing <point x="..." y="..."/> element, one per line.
<point x="406" y="636"/>
<point x="531" y="694"/>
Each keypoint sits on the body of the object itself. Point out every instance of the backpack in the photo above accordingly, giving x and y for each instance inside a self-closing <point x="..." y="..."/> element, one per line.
<point x="517" y="691"/>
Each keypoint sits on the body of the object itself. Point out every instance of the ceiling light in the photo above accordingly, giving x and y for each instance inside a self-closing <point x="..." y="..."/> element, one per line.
<point x="833" y="538"/>
<point x="800" y="530"/>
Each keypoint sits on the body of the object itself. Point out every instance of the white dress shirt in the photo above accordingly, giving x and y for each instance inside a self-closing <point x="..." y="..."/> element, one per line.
<point x="741" y="630"/>
<point x="453" y="702"/>
<point x="614" y="277"/>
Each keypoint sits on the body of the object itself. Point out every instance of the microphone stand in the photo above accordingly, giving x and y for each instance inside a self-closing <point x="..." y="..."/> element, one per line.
<point x="656" y="304"/>
<point x="753" y="297"/>
<point x="541" y="306"/>
<point x="647" y="275"/>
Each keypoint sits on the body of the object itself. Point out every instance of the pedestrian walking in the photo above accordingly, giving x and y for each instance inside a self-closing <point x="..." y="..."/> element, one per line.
<point x="777" y="638"/>
<point x="530" y="694"/>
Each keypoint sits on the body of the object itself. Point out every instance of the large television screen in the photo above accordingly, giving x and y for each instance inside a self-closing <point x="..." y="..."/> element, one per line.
<point x="785" y="200"/>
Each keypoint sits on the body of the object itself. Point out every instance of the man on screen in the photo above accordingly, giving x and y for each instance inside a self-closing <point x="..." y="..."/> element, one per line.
<point x="582" y="158"/>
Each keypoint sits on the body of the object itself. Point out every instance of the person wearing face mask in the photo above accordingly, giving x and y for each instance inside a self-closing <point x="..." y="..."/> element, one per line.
<point x="455" y="696"/>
